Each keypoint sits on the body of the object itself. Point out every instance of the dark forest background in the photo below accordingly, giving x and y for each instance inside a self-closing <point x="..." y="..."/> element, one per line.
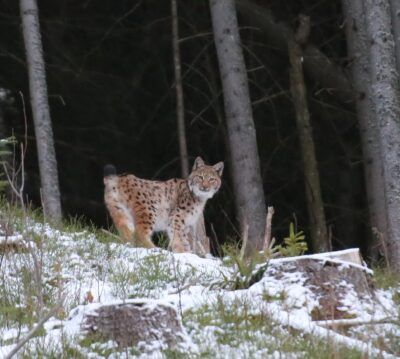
<point x="111" y="86"/>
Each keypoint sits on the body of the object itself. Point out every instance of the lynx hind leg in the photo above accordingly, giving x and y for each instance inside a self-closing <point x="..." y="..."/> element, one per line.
<point x="123" y="221"/>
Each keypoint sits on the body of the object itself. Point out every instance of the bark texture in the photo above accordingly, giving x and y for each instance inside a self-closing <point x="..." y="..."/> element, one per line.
<point x="180" y="108"/>
<point x="386" y="96"/>
<point x="395" y="10"/>
<point x="315" y="205"/>
<point x="139" y="323"/>
<point x="325" y="278"/>
<point x="316" y="64"/>
<point x="40" y="109"/>
<point x="6" y="159"/>
<point x="249" y="193"/>
<point x="358" y="51"/>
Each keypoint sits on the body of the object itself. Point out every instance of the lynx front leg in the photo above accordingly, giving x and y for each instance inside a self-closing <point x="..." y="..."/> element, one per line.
<point x="178" y="236"/>
<point x="142" y="237"/>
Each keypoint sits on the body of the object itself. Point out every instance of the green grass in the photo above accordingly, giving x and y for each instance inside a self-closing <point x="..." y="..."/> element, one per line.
<point x="385" y="278"/>
<point x="51" y="350"/>
<point x="232" y="323"/>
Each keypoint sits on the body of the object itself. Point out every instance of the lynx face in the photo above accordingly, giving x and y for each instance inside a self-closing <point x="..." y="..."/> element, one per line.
<point x="204" y="181"/>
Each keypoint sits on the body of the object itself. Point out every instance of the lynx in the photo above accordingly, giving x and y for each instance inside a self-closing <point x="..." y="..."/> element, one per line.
<point x="141" y="207"/>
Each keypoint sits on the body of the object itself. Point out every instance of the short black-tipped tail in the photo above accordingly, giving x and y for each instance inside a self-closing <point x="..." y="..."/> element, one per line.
<point x="109" y="170"/>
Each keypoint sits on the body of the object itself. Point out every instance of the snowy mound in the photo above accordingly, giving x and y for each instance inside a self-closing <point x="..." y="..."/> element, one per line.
<point x="258" y="322"/>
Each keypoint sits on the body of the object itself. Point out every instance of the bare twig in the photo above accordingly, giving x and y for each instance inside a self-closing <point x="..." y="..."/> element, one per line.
<point x="12" y="179"/>
<point x="268" y="228"/>
<point x="110" y="234"/>
<point x="345" y="323"/>
<point x="245" y="240"/>
<point x="34" y="330"/>
<point x="179" y="289"/>
<point x="381" y="244"/>
<point x="184" y="287"/>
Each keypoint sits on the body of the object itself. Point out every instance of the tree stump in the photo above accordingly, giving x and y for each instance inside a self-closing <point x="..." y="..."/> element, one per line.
<point x="139" y="323"/>
<point x="329" y="278"/>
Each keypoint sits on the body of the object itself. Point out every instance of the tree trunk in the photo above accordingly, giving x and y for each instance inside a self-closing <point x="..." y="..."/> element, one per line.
<point x="386" y="95"/>
<point x="200" y="243"/>
<point x="40" y="109"/>
<point x="358" y="52"/>
<point x="316" y="64"/>
<point x="315" y="205"/>
<point x="249" y="193"/>
<point x="180" y="108"/>
<point x="6" y="159"/>
<point x="395" y="9"/>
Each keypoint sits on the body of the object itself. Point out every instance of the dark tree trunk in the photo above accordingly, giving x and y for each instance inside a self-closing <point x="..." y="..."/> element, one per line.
<point x="40" y="109"/>
<point x="180" y="108"/>
<point x="315" y="205"/>
<point x="316" y="64"/>
<point x="6" y="159"/>
<point x="386" y="96"/>
<point x="358" y="52"/>
<point x="249" y="193"/>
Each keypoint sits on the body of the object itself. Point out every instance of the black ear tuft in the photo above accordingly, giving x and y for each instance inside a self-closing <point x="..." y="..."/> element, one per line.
<point x="109" y="170"/>
<point x="219" y="167"/>
<point x="198" y="162"/>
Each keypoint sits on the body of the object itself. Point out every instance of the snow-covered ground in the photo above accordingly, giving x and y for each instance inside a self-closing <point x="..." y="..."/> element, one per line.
<point x="271" y="319"/>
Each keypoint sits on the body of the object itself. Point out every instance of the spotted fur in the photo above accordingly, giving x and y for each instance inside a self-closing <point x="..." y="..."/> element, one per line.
<point x="141" y="207"/>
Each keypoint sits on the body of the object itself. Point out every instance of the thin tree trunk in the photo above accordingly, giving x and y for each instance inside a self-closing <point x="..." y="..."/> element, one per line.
<point x="5" y="158"/>
<point x="315" y="205"/>
<point x="40" y="109"/>
<point x="200" y="243"/>
<point x="316" y="64"/>
<point x="249" y="193"/>
<point x="358" y="52"/>
<point x="395" y="10"/>
<point x="386" y="95"/>
<point x="180" y="108"/>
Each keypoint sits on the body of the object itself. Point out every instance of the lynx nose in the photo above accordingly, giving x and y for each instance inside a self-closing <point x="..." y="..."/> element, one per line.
<point x="204" y="188"/>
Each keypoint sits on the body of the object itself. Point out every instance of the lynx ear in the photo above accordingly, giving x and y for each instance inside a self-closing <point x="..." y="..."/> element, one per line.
<point x="219" y="167"/>
<point x="198" y="162"/>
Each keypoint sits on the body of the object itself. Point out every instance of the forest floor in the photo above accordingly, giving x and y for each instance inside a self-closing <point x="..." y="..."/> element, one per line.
<point x="75" y="269"/>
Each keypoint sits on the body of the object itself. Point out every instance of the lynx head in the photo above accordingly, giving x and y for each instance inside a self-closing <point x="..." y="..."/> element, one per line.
<point x="204" y="181"/>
